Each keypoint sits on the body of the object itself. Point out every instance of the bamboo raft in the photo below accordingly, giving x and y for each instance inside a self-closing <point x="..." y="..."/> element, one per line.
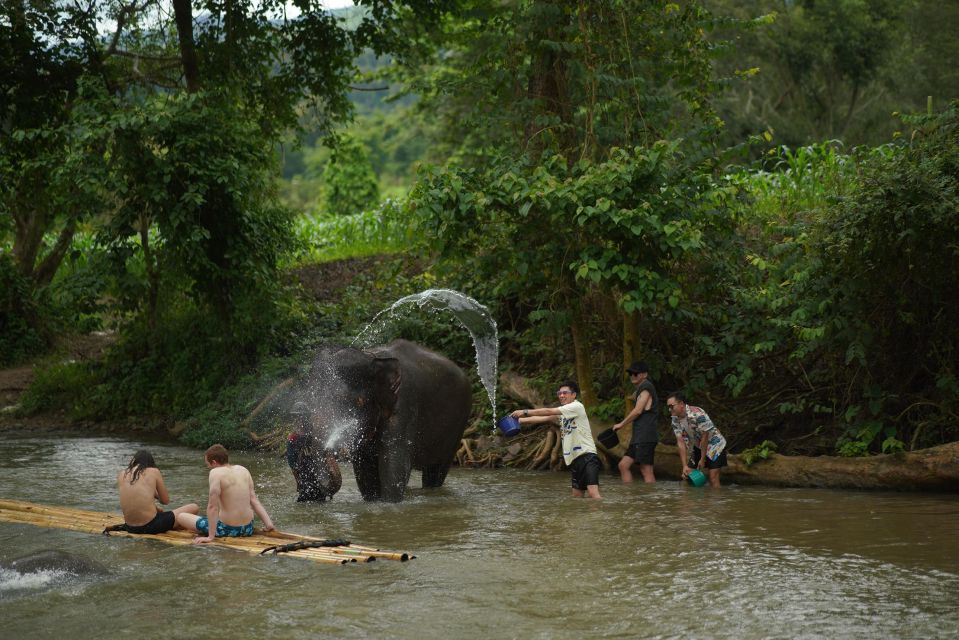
<point x="260" y="543"/>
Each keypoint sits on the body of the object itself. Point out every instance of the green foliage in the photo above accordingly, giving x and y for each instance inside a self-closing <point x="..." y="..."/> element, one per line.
<point x="379" y="230"/>
<point x="854" y="449"/>
<point x="213" y="427"/>
<point x="636" y="202"/>
<point x="836" y="266"/>
<point x="77" y="291"/>
<point x="155" y="372"/>
<point x="888" y="254"/>
<point x="176" y="182"/>
<point x="60" y="385"/>
<point x="195" y="167"/>
<point x="762" y="451"/>
<point x="893" y="445"/>
<point x="349" y="184"/>
<point x="810" y="296"/>
<point x="609" y="411"/>
<point x="821" y="70"/>
<point x="578" y="79"/>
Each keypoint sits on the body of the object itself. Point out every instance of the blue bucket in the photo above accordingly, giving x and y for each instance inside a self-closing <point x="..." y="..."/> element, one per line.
<point x="508" y="425"/>
<point x="696" y="478"/>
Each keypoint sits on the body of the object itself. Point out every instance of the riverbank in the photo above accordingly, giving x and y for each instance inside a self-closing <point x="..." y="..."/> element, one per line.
<point x="15" y="381"/>
<point x="933" y="469"/>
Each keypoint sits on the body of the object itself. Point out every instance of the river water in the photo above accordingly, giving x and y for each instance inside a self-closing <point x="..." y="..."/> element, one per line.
<point x="500" y="554"/>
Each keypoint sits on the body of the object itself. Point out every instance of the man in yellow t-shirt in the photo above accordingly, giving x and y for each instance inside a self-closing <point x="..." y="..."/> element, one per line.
<point x="579" y="450"/>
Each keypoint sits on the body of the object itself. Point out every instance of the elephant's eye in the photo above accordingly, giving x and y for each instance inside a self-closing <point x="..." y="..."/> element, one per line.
<point x="360" y="401"/>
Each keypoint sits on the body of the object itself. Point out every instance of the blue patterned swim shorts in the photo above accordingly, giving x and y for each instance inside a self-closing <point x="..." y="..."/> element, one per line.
<point x="225" y="530"/>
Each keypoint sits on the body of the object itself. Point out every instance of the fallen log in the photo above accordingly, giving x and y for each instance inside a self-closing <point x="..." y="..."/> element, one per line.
<point x="518" y="388"/>
<point x="933" y="469"/>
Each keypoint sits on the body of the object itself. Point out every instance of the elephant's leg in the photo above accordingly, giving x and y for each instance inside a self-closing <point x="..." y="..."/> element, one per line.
<point x="395" y="468"/>
<point x="434" y="475"/>
<point x="394" y="475"/>
<point x="367" y="472"/>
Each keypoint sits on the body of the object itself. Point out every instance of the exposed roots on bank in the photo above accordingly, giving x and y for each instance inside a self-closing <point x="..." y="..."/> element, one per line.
<point x="536" y="450"/>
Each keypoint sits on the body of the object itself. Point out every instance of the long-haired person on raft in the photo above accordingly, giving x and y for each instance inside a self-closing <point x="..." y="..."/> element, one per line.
<point x="140" y="485"/>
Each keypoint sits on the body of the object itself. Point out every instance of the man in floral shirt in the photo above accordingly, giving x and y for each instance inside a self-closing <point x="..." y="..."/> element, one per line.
<point x="696" y="434"/>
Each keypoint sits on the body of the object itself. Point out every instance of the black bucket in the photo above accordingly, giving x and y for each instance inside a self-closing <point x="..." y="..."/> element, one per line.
<point x="608" y="439"/>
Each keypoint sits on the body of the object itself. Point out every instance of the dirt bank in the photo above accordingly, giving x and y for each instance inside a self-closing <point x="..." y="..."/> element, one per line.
<point x="15" y="381"/>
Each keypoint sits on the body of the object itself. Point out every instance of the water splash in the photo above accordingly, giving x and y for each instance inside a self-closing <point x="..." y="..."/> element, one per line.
<point x="338" y="430"/>
<point x="475" y="317"/>
<point x="13" y="580"/>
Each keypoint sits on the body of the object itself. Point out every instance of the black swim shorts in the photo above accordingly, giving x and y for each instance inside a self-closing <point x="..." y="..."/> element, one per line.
<point x="642" y="452"/>
<point x="585" y="470"/>
<point x="163" y="521"/>
<point x="718" y="463"/>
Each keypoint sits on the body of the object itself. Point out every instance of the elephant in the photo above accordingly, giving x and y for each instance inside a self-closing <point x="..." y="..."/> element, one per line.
<point x="390" y="410"/>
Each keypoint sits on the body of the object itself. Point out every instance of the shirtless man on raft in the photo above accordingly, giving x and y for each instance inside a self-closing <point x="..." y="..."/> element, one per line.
<point x="139" y="485"/>
<point x="232" y="501"/>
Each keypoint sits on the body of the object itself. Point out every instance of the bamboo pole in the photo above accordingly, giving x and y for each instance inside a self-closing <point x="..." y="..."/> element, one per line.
<point x="373" y="551"/>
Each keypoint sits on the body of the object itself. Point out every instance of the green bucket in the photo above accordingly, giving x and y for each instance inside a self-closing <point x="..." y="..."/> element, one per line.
<point x="696" y="478"/>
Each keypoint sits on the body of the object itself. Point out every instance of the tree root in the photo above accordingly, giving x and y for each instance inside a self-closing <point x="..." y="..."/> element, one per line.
<point x="543" y="454"/>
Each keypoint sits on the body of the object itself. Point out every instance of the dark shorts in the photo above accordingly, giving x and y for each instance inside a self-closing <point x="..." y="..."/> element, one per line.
<point x="642" y="452"/>
<point x="162" y="522"/>
<point x="718" y="463"/>
<point x="225" y="530"/>
<point x="585" y="470"/>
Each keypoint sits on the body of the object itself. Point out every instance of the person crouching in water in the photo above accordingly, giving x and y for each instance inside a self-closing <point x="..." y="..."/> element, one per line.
<point x="579" y="450"/>
<point x="700" y="444"/>
<point x="139" y="485"/>
<point x="315" y="468"/>
<point x="232" y="502"/>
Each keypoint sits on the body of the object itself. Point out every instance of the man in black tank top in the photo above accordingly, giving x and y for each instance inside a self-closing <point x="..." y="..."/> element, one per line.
<point x="642" y="446"/>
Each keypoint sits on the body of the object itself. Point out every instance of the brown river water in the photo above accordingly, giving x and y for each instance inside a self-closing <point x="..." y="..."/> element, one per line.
<point x="500" y="554"/>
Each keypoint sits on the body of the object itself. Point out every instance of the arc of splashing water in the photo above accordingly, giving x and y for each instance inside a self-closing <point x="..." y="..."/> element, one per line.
<point x="474" y="316"/>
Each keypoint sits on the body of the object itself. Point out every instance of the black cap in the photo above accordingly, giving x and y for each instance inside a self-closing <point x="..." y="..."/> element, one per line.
<point x="638" y="367"/>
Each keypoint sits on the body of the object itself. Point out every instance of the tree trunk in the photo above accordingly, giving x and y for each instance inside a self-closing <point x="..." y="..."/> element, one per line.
<point x="27" y="236"/>
<point x="51" y="263"/>
<point x="183" y="13"/>
<point x="153" y="277"/>
<point x="547" y="83"/>
<point x="584" y="364"/>
<point x="631" y="353"/>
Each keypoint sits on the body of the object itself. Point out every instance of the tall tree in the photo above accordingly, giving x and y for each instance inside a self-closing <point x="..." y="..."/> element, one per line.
<point x="578" y="109"/>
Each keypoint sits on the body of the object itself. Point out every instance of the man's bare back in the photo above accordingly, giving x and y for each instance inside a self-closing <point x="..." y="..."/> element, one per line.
<point x="137" y="499"/>
<point x="139" y="486"/>
<point x="235" y="485"/>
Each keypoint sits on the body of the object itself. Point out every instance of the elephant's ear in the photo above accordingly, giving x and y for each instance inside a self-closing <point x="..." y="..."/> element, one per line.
<point x="388" y="380"/>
